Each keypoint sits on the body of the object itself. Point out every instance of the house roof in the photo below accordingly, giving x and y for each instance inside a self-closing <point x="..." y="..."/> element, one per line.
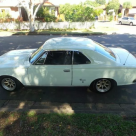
<point x="133" y="2"/>
<point x="15" y="3"/>
<point x="49" y="4"/>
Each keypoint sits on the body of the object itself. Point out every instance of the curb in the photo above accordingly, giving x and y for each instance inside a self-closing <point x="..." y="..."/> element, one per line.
<point x="85" y="34"/>
<point x="52" y="33"/>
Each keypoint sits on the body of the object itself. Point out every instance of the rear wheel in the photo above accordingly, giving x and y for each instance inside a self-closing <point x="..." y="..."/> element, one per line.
<point x="120" y="22"/>
<point x="10" y="84"/>
<point x="131" y="24"/>
<point x="102" y="85"/>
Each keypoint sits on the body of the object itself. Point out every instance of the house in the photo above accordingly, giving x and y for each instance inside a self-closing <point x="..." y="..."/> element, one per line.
<point x="12" y="6"/>
<point x="128" y="12"/>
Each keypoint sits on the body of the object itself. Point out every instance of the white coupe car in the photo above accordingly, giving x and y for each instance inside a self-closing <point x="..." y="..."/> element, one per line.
<point x="69" y="62"/>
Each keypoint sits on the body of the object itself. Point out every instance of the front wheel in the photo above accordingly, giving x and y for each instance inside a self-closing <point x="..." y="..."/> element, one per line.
<point x="102" y="85"/>
<point x="10" y="84"/>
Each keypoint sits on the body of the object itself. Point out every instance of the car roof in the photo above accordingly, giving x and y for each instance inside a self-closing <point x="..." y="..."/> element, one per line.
<point x="70" y="43"/>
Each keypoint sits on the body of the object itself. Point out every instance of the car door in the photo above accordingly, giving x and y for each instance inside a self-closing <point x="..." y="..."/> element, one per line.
<point x="124" y="20"/>
<point x="53" y="68"/>
<point x="81" y="69"/>
<point x="127" y="20"/>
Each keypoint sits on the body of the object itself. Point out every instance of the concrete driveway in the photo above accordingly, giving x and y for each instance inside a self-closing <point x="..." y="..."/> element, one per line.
<point x="119" y="96"/>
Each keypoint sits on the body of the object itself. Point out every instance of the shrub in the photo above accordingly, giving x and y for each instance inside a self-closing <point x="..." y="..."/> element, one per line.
<point x="19" y="19"/>
<point x="110" y="18"/>
<point x="5" y="17"/>
<point x="50" y="18"/>
<point x="119" y="15"/>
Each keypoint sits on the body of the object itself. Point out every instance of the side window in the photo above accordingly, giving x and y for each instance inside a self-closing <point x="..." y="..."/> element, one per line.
<point x="124" y="18"/>
<point x="41" y="60"/>
<point x="79" y="58"/>
<point x="59" y="58"/>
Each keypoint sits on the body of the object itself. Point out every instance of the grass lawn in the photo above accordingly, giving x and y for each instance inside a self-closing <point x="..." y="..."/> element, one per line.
<point x="32" y="124"/>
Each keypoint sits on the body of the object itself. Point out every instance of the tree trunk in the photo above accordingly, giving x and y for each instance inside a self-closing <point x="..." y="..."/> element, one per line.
<point x="31" y="24"/>
<point x="32" y="28"/>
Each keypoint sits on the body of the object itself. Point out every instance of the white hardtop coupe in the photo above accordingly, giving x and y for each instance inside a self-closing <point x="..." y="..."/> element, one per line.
<point x="68" y="61"/>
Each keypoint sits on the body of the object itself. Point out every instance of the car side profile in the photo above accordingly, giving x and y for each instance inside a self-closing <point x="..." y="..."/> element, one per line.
<point x="68" y="62"/>
<point x="127" y="20"/>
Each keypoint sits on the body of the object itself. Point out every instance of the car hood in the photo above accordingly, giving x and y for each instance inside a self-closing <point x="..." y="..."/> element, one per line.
<point x="15" y="58"/>
<point x="125" y="57"/>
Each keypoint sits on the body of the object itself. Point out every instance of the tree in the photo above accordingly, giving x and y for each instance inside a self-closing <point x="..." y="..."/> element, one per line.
<point x="127" y="6"/>
<point x="113" y="4"/>
<point x="97" y="12"/>
<point x="101" y="2"/>
<point x="77" y="13"/>
<point x="31" y="11"/>
<point x="91" y="3"/>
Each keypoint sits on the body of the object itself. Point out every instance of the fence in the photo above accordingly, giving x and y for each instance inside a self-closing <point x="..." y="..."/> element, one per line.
<point x="47" y="25"/>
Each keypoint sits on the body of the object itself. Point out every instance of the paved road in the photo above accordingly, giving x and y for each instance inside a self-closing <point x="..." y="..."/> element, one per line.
<point x="121" y="29"/>
<point x="119" y="95"/>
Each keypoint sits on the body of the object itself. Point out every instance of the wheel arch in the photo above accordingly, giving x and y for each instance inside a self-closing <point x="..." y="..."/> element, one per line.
<point x="112" y="80"/>
<point x="11" y="77"/>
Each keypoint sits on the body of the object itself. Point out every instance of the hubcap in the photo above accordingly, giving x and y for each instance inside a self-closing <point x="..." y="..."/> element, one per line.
<point x="103" y="85"/>
<point x="8" y="84"/>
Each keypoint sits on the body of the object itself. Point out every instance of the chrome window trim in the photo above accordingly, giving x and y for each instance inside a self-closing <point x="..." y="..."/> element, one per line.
<point x="84" y="55"/>
<point x="72" y="51"/>
<point x="34" y="63"/>
<point x="39" y="58"/>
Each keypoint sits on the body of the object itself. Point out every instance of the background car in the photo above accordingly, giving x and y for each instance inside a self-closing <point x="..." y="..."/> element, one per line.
<point x="127" y="20"/>
<point x="68" y="62"/>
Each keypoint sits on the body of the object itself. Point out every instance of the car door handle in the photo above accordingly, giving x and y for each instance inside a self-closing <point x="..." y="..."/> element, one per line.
<point x="66" y="70"/>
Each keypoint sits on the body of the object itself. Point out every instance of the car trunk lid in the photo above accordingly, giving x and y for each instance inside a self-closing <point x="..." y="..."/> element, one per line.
<point x="125" y="57"/>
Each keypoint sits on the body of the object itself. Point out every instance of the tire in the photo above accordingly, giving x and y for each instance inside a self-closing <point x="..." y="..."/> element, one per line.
<point x="102" y="85"/>
<point x="120" y="22"/>
<point x="10" y="84"/>
<point x="131" y="24"/>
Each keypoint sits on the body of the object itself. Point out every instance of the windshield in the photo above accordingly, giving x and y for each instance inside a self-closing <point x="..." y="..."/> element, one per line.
<point x="35" y="55"/>
<point x="105" y="51"/>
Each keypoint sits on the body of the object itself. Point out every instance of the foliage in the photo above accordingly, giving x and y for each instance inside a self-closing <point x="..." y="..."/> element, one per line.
<point x="127" y="5"/>
<point x="113" y="4"/>
<point x="42" y="12"/>
<point x="97" y="12"/>
<point x="110" y="18"/>
<point x="101" y="2"/>
<point x="19" y="19"/>
<point x="5" y="15"/>
<point x="77" y="13"/>
<point x="49" y="18"/>
<point x="120" y="15"/>
<point x="91" y="3"/>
